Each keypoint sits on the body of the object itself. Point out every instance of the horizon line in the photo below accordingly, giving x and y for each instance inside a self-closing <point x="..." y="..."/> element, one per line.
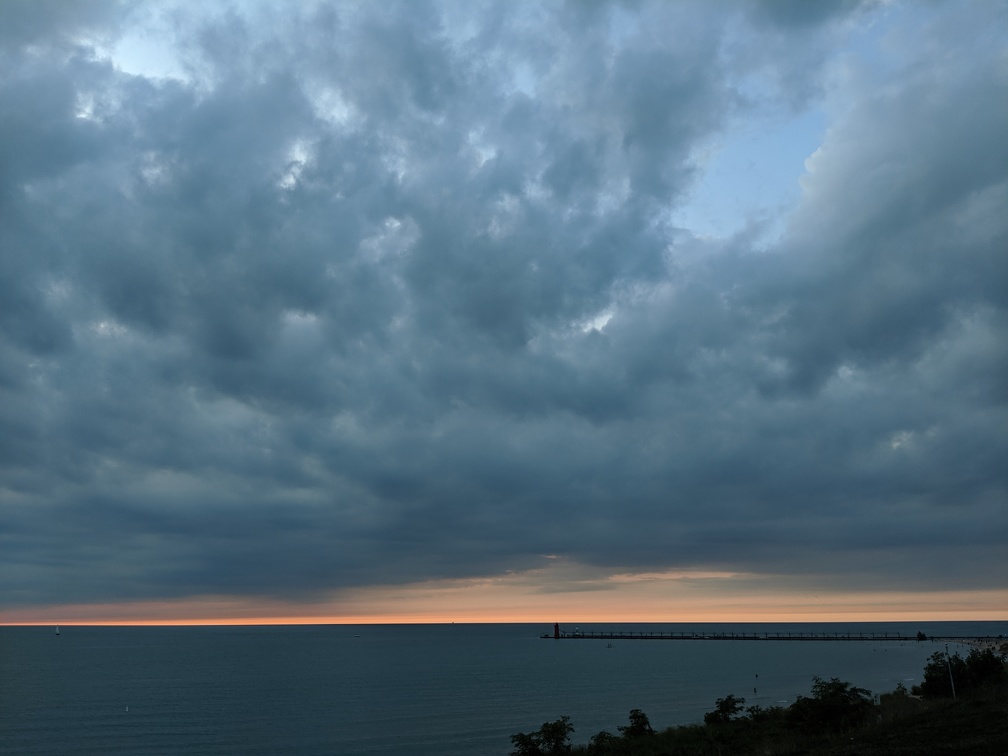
<point x="357" y="621"/>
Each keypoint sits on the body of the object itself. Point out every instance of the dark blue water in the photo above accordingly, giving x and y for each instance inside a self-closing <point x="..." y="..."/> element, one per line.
<point x="399" y="689"/>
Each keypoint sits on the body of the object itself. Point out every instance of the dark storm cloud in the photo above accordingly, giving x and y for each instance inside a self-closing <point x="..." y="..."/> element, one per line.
<point x="798" y="14"/>
<point x="384" y="293"/>
<point x="58" y="22"/>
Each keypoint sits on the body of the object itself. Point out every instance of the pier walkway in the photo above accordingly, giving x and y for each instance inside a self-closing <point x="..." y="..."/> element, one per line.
<point x="770" y="636"/>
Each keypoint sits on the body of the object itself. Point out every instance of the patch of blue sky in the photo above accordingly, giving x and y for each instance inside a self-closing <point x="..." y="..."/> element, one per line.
<point x="144" y="53"/>
<point x="750" y="178"/>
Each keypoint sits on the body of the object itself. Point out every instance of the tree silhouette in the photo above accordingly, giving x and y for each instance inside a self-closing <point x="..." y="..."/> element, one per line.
<point x="727" y="708"/>
<point x="638" y="727"/>
<point x="552" y="738"/>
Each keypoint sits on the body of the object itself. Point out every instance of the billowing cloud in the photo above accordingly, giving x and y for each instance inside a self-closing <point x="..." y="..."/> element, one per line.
<point x="296" y="299"/>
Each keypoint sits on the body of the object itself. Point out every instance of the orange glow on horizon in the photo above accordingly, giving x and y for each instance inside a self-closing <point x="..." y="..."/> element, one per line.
<point x="567" y="594"/>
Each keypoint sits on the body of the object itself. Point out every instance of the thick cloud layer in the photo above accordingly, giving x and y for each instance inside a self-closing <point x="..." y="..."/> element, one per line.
<point x="368" y="294"/>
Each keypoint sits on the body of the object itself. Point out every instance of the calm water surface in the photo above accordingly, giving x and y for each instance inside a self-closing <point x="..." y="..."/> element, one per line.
<point x="400" y="689"/>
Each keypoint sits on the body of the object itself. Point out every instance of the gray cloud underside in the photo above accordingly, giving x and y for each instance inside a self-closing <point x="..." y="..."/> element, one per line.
<point x="319" y="314"/>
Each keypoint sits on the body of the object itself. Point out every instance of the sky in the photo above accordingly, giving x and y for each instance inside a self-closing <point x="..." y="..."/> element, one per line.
<point x="491" y="311"/>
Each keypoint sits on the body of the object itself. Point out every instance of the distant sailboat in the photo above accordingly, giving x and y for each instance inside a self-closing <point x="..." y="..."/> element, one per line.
<point x="57" y="629"/>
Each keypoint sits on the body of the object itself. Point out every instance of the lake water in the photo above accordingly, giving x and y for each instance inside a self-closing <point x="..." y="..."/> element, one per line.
<point x="401" y="689"/>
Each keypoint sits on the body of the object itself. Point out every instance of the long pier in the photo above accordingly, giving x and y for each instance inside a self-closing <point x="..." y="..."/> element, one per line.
<point x="772" y="636"/>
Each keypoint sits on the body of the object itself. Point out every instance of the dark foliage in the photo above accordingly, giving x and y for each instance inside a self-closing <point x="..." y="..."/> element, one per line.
<point x="639" y="725"/>
<point x="835" y="705"/>
<point x="552" y="738"/>
<point x="979" y="668"/>
<point x="605" y="742"/>
<point x="837" y="719"/>
<point x="726" y="709"/>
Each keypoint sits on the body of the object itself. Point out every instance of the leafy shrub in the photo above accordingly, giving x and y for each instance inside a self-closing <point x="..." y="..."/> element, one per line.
<point x="604" y="741"/>
<point x="552" y="738"/>
<point x="835" y="705"/>
<point x="727" y="708"/>
<point x="938" y="674"/>
<point x="979" y="668"/>
<point x="760" y="714"/>
<point x="983" y="667"/>
<point x="639" y="725"/>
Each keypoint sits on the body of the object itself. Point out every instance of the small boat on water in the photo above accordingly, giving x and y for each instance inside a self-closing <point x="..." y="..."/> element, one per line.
<point x="57" y="629"/>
